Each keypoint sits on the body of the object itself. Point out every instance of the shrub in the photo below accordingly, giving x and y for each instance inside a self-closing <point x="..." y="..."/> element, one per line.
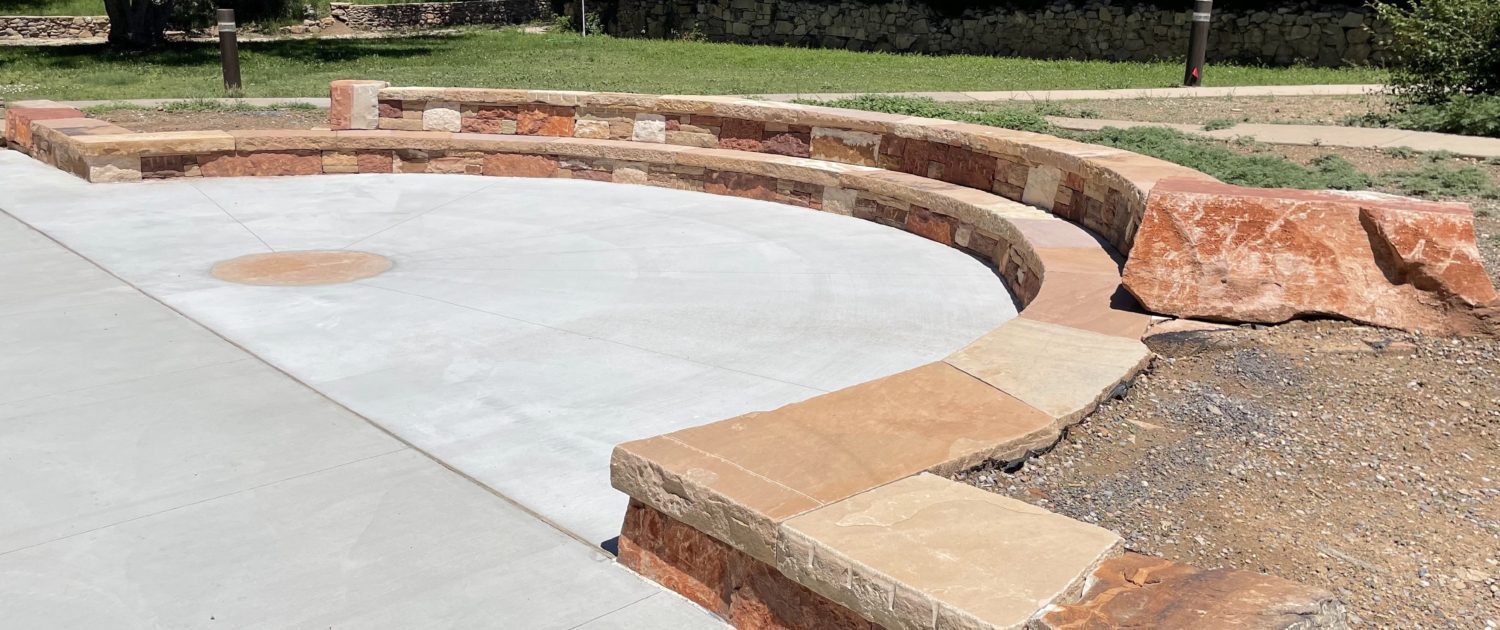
<point x="1465" y="114"/>
<point x="1443" y="48"/>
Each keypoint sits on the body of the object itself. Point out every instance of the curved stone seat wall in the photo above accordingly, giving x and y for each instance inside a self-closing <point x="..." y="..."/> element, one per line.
<point x="751" y="516"/>
<point x="1188" y="272"/>
<point x="1101" y="188"/>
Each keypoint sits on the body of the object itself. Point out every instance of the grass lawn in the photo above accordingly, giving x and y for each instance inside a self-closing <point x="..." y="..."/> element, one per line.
<point x="51" y="7"/>
<point x="490" y="58"/>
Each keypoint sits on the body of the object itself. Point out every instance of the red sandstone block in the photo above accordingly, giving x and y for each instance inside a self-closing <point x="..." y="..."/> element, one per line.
<point x="743" y="590"/>
<point x="741" y="135"/>
<point x="390" y="108"/>
<point x="535" y="120"/>
<point x="375" y="161"/>
<point x="262" y="163"/>
<point x="788" y="143"/>
<point x="741" y="185"/>
<point x="924" y="223"/>
<point x="505" y="165"/>
<point x="1220" y="252"/>
<point x="18" y="122"/>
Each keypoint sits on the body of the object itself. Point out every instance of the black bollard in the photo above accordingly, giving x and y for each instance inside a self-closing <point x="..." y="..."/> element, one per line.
<point x="1198" y="43"/>
<point x="229" y="50"/>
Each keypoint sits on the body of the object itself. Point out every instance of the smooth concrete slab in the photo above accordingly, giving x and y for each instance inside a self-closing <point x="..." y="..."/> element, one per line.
<point x="528" y="326"/>
<point x="139" y="489"/>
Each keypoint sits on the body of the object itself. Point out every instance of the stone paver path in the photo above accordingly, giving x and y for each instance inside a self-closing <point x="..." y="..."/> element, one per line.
<point x="429" y="445"/>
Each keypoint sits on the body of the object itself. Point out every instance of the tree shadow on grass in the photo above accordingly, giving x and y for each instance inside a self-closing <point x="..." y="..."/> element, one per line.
<point x="193" y="54"/>
<point x="326" y="50"/>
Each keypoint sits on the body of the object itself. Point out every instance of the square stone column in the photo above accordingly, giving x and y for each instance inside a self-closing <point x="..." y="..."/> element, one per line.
<point x="354" y="104"/>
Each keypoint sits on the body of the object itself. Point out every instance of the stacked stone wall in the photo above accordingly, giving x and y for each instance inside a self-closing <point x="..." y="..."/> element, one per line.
<point x="1093" y="29"/>
<point x="376" y="17"/>
<point x="53" y="26"/>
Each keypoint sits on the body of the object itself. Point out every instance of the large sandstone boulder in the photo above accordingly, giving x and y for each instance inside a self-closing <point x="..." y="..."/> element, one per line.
<point x="1208" y="250"/>
<point x="1136" y="591"/>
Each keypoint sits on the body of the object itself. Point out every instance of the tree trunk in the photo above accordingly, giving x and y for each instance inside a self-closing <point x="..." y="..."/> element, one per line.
<point x="137" y="23"/>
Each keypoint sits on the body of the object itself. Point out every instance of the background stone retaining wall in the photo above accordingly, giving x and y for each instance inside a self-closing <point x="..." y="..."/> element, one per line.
<point x="53" y="26"/>
<point x="1298" y="32"/>
<point x="370" y="17"/>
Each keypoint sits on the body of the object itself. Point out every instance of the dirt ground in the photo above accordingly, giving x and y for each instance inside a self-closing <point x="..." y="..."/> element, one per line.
<point x="1362" y="460"/>
<point x="145" y="120"/>
<point x="1303" y="110"/>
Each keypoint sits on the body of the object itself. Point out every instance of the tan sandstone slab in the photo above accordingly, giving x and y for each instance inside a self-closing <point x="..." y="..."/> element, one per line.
<point x="1092" y="301"/>
<point x="1061" y="370"/>
<point x="826" y="449"/>
<point x="926" y="552"/>
<point x="281" y="139"/>
<point x="158" y="143"/>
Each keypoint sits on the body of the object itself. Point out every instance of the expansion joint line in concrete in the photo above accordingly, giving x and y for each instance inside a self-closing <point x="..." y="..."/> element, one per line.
<point x="406" y="444"/>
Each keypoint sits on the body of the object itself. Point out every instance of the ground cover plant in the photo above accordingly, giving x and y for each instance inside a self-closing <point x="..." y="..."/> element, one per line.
<point x="510" y="58"/>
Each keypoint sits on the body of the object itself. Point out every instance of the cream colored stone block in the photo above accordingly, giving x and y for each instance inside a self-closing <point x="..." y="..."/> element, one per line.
<point x="1041" y="186"/>
<point x="650" y="128"/>
<point x="839" y="200"/>
<point x="364" y="105"/>
<point x="442" y="116"/>
<point x="114" y="168"/>
<point x="595" y="129"/>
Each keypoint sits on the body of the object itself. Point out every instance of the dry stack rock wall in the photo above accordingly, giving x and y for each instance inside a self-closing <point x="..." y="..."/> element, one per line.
<point x="53" y="26"/>
<point x="375" y="17"/>
<point x="1276" y="33"/>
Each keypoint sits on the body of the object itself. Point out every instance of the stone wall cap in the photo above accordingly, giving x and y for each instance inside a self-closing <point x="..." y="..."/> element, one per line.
<point x="1061" y="370"/>
<point x="158" y="143"/>
<point x="927" y="549"/>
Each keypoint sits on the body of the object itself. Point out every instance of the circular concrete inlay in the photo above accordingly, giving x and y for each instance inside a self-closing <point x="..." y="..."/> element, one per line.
<point x="295" y="269"/>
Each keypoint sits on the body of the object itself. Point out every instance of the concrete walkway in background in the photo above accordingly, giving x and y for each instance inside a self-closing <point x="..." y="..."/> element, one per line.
<point x="1106" y="95"/>
<point x="424" y="448"/>
<point x="976" y="97"/>
<point x="1314" y="135"/>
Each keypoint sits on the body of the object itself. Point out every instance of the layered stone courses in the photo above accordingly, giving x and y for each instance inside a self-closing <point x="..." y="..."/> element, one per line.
<point x="760" y="490"/>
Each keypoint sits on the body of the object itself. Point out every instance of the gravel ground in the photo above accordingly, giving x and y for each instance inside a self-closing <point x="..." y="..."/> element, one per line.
<point x="1362" y="460"/>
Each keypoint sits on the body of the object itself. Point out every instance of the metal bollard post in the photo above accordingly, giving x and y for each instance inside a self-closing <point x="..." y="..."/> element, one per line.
<point x="229" y="50"/>
<point x="1198" y="43"/>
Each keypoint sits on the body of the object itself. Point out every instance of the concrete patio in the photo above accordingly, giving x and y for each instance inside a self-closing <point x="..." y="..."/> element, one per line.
<point x="428" y="446"/>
